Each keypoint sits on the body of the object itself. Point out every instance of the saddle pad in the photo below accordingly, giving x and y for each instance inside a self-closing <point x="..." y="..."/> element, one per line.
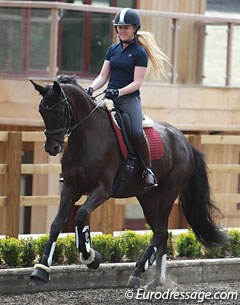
<point x="154" y="139"/>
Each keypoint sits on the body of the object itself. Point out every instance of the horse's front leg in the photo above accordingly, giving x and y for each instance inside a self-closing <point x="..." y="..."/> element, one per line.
<point x="41" y="271"/>
<point x="88" y="256"/>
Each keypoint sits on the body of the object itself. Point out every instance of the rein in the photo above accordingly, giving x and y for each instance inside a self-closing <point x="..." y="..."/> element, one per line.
<point x="68" y="113"/>
<point x="71" y="129"/>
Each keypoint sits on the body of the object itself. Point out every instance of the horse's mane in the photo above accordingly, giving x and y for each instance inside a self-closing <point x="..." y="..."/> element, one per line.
<point x="71" y="80"/>
<point x="66" y="79"/>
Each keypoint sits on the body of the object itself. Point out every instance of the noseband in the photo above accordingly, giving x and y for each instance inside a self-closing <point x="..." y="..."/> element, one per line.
<point x="68" y="115"/>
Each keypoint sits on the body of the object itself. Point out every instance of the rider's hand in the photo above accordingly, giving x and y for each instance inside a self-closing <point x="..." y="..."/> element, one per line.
<point x="111" y="93"/>
<point x="89" y="91"/>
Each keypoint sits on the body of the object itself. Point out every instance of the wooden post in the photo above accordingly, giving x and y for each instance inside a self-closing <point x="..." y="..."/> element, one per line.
<point x="3" y="188"/>
<point x="13" y="158"/>
<point x="229" y="54"/>
<point x="53" y="43"/>
<point x="108" y="216"/>
<point x="175" y="25"/>
<point x="103" y="218"/>
<point x="177" y="219"/>
<point x="195" y="140"/>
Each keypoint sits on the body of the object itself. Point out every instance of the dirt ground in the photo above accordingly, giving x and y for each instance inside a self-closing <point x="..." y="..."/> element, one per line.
<point x="193" y="295"/>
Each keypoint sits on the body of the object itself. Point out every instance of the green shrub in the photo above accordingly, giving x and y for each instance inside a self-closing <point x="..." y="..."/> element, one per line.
<point x="135" y="244"/>
<point x="226" y="250"/>
<point x="103" y="244"/>
<point x="70" y="251"/>
<point x="58" y="256"/>
<point x="146" y="239"/>
<point x="12" y="252"/>
<point x="170" y="245"/>
<point x="41" y="243"/>
<point x="230" y="249"/>
<point x="127" y="246"/>
<point x="117" y="249"/>
<point x="1" y="249"/>
<point x="187" y="245"/>
<point x="29" y="251"/>
<point x="214" y="252"/>
<point x="234" y="242"/>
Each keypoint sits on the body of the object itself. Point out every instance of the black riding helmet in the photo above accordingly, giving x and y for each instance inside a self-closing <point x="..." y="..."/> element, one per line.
<point x="127" y="16"/>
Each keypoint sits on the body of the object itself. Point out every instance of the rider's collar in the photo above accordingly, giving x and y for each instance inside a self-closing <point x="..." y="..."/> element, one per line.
<point x="128" y="42"/>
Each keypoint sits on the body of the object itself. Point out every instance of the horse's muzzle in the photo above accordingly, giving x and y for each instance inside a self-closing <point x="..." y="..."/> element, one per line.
<point x="53" y="148"/>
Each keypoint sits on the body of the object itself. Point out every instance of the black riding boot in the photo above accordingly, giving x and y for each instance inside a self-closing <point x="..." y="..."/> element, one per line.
<point x="142" y="148"/>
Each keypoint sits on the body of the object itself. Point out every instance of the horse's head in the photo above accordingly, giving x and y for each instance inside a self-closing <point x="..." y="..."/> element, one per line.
<point x="54" y="109"/>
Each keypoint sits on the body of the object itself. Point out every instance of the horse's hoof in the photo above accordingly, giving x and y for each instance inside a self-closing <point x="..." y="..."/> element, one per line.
<point x="134" y="282"/>
<point x="152" y="284"/>
<point x="97" y="261"/>
<point x="36" y="282"/>
<point x="39" y="277"/>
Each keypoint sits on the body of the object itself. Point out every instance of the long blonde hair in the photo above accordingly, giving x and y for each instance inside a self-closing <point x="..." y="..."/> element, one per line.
<point x="157" y="58"/>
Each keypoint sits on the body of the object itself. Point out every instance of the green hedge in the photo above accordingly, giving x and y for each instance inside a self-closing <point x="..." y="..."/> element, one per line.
<point x="127" y="247"/>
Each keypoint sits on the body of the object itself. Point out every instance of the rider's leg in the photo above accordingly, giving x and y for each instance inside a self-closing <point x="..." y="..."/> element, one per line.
<point x="142" y="147"/>
<point x="132" y="106"/>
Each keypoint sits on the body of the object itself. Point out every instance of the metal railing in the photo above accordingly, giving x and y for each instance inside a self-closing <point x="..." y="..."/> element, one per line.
<point x="57" y="7"/>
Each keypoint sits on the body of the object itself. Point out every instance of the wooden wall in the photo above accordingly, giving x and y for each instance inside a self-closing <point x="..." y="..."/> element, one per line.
<point x="225" y="182"/>
<point x="188" y="107"/>
<point x="195" y="108"/>
<point x="44" y="184"/>
<point x="191" y="35"/>
<point x="3" y="188"/>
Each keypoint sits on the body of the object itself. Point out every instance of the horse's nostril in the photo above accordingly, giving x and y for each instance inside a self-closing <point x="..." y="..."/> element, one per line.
<point x="55" y="150"/>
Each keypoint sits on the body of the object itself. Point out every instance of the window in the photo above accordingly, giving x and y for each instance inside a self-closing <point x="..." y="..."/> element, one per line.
<point x="82" y="40"/>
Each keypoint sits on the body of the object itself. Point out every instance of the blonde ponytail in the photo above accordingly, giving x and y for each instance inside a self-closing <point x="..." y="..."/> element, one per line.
<point x="157" y="58"/>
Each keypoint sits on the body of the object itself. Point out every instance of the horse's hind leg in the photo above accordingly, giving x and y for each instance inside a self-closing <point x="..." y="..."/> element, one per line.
<point x="157" y="205"/>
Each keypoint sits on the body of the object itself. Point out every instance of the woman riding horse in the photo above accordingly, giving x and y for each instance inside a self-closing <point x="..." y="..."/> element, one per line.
<point x="125" y="67"/>
<point x="92" y="160"/>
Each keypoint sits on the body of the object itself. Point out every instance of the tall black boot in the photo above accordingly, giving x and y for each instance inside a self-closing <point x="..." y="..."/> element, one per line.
<point x="142" y="148"/>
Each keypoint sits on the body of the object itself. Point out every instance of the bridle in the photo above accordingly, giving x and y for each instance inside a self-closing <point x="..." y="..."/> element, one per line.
<point x="67" y="130"/>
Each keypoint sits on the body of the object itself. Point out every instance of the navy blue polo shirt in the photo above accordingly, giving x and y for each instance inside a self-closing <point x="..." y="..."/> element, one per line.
<point x="122" y="64"/>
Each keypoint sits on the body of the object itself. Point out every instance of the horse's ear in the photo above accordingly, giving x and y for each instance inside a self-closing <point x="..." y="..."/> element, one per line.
<point x="39" y="88"/>
<point x="57" y="87"/>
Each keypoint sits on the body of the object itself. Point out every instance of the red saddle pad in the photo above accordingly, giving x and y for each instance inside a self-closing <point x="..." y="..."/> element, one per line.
<point x="154" y="139"/>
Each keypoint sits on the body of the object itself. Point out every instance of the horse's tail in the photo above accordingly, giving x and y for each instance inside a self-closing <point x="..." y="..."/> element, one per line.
<point x="197" y="206"/>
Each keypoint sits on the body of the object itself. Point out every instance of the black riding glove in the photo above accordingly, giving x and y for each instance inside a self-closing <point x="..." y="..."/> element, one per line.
<point x="111" y="93"/>
<point x="89" y="91"/>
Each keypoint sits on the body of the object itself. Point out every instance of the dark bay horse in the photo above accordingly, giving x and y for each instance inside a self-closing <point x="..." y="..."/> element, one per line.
<point x="90" y="164"/>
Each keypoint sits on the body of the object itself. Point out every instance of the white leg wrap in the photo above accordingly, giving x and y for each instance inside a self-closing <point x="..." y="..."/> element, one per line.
<point x="146" y="265"/>
<point x="150" y="260"/>
<point x="76" y="234"/>
<point x="86" y="232"/>
<point x="49" y="261"/>
<point x="90" y="259"/>
<point x="163" y="269"/>
<point x="43" y="267"/>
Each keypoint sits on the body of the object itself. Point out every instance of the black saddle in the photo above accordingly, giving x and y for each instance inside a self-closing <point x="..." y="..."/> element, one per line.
<point x="124" y="123"/>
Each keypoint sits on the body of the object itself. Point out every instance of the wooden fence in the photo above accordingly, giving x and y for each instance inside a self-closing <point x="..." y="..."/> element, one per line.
<point x="13" y="168"/>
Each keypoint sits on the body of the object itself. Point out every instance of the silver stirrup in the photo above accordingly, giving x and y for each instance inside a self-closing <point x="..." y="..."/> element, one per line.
<point x="149" y="171"/>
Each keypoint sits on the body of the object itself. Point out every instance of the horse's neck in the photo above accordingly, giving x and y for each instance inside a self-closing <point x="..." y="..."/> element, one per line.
<point x="85" y="143"/>
<point x="82" y="106"/>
